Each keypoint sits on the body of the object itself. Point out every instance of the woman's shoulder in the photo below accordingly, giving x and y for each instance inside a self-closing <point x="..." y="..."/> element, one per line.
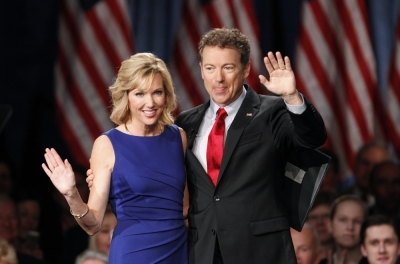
<point x="111" y="131"/>
<point x="174" y="127"/>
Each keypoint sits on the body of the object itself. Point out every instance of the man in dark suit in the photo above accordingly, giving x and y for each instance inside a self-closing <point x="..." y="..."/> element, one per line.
<point x="238" y="216"/>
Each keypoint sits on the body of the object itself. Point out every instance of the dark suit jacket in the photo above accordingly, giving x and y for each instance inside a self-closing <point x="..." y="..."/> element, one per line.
<point x="245" y="209"/>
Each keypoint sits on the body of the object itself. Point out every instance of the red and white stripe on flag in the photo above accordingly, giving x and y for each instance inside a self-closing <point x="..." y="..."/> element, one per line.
<point x="197" y="19"/>
<point x="335" y="68"/>
<point x="393" y="96"/>
<point x="92" y="45"/>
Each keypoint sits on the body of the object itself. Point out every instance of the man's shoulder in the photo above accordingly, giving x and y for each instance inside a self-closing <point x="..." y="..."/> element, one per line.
<point x="191" y="111"/>
<point x="269" y="98"/>
<point x="184" y="115"/>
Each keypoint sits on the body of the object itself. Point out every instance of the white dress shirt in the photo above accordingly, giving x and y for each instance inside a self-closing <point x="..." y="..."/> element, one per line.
<point x="200" y="143"/>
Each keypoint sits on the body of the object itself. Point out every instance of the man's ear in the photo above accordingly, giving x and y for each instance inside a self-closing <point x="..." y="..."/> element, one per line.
<point x="364" y="250"/>
<point x="246" y="71"/>
<point x="201" y="70"/>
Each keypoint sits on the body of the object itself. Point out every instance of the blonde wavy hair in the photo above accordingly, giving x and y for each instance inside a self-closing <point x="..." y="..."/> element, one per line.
<point x="138" y="72"/>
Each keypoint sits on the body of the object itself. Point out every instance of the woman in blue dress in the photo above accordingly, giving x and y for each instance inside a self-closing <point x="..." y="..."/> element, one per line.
<point x="138" y="168"/>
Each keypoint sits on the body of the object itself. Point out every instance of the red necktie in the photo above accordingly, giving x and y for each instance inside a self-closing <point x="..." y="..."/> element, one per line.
<point x="215" y="146"/>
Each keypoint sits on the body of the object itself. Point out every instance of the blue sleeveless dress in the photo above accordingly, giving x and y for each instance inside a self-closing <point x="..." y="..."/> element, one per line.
<point x="146" y="195"/>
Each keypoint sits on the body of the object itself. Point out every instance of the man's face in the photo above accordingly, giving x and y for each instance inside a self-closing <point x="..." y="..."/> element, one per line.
<point x="223" y="74"/>
<point x="305" y="245"/>
<point x="8" y="221"/>
<point x="365" y="164"/>
<point x="381" y="245"/>
<point x="319" y="218"/>
<point x="386" y="188"/>
<point x="28" y="215"/>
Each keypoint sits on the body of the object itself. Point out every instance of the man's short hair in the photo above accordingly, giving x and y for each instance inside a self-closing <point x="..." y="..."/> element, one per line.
<point x="376" y="169"/>
<point x="226" y="38"/>
<point x="376" y="220"/>
<point x="364" y="148"/>
<point x="324" y="198"/>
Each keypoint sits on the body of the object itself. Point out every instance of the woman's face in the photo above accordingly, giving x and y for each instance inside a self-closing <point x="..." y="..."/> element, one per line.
<point x="103" y="237"/>
<point x="146" y="106"/>
<point x="346" y="224"/>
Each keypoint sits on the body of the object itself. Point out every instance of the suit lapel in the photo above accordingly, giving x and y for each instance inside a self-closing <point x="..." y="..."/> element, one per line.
<point x="245" y="114"/>
<point x="198" y="169"/>
<point x="194" y="122"/>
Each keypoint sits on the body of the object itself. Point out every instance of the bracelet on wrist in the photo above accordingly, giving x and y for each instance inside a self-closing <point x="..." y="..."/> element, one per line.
<point x="79" y="216"/>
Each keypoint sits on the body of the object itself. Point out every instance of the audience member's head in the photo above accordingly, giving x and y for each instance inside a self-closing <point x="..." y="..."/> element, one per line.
<point x="8" y="219"/>
<point x="28" y="211"/>
<point x="332" y="178"/>
<point x="102" y="239"/>
<point x="7" y="253"/>
<point x="379" y="240"/>
<point x="367" y="157"/>
<point x="385" y="186"/>
<point x="347" y="214"/>
<point x="319" y="217"/>
<point x="306" y="245"/>
<point x="92" y="256"/>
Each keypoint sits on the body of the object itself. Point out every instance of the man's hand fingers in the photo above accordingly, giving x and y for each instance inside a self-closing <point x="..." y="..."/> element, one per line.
<point x="89" y="179"/>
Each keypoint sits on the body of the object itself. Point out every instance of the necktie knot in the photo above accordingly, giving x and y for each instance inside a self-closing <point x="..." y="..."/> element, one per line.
<point x="221" y="114"/>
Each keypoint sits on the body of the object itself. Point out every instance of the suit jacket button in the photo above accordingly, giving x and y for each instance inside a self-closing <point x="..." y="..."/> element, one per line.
<point x="216" y="198"/>
<point x="213" y="232"/>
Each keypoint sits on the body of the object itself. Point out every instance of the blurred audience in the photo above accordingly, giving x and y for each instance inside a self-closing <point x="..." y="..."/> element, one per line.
<point x="28" y="212"/>
<point x="333" y="178"/>
<point x="306" y="245"/>
<point x="379" y="240"/>
<point x="347" y="214"/>
<point x="63" y="239"/>
<point x="93" y="256"/>
<point x="102" y="239"/>
<point x="367" y="157"/>
<point x="319" y="218"/>
<point x="7" y="253"/>
<point x="385" y="186"/>
<point x="9" y="228"/>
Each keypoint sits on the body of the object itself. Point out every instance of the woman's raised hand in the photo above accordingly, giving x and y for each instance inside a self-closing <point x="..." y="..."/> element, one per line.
<point x="59" y="172"/>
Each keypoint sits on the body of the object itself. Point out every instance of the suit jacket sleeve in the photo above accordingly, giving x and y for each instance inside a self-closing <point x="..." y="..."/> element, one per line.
<point x="297" y="132"/>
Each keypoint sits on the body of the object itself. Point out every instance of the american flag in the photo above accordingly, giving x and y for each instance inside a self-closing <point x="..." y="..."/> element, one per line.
<point x="198" y="17"/>
<point x="92" y="45"/>
<point x="393" y="96"/>
<point x="335" y="68"/>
